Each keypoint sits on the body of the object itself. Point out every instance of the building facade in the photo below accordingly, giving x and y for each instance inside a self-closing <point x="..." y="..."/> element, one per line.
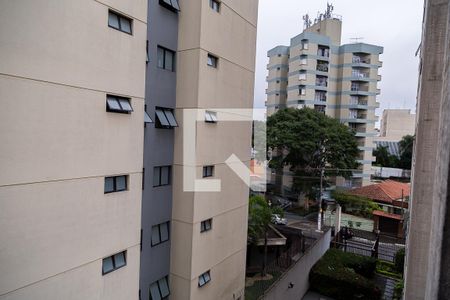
<point x="215" y="71"/>
<point x="395" y="124"/>
<point x="427" y="250"/>
<point x="72" y="124"/>
<point x="316" y="71"/>
<point x="160" y="97"/>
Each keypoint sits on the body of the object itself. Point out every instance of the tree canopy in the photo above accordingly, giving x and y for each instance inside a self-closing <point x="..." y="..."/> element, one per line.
<point x="306" y="141"/>
<point x="404" y="161"/>
<point x="259" y="217"/>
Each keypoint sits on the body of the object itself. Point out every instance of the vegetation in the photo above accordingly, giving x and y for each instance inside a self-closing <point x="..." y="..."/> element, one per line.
<point x="355" y="205"/>
<point x="384" y="159"/>
<point x="259" y="219"/>
<point x="388" y="269"/>
<point x="344" y="276"/>
<point x="307" y="141"/>
<point x="399" y="260"/>
<point x="398" y="290"/>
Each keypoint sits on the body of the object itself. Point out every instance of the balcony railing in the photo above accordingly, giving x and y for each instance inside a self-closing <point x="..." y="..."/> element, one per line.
<point x="358" y="74"/>
<point x="322" y="97"/>
<point x="360" y="60"/>
<point x="322" y="67"/>
<point x="358" y="88"/>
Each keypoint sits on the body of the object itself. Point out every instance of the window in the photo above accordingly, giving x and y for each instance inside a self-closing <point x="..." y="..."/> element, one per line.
<point x="114" y="262"/>
<point x="115" y="184"/>
<point x="165" y="118"/>
<point x="160" y="233"/>
<point x="172" y="5"/>
<point x="159" y="289"/>
<point x="301" y="90"/>
<point x="208" y="171"/>
<point x="205" y="225"/>
<point x="278" y="81"/>
<point x="204" y="279"/>
<point x="147" y="59"/>
<point x="323" y="51"/>
<point x="304" y="45"/>
<point x="118" y="104"/>
<point x="278" y="68"/>
<point x="212" y="60"/>
<point x="215" y="5"/>
<point x="321" y="81"/>
<point x="161" y="176"/>
<point x="119" y="22"/>
<point x="210" y="117"/>
<point x="320" y="96"/>
<point x="303" y="60"/>
<point x="147" y="118"/>
<point x="166" y="59"/>
<point x="302" y="75"/>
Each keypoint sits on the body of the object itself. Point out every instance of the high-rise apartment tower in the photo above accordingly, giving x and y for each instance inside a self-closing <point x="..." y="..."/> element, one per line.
<point x="316" y="71"/>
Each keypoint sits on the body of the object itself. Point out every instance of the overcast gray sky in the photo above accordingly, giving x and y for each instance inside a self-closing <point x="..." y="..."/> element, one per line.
<point x="394" y="24"/>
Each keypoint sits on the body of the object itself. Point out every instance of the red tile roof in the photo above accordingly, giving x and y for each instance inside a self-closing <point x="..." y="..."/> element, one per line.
<point x="386" y="191"/>
<point x="386" y="215"/>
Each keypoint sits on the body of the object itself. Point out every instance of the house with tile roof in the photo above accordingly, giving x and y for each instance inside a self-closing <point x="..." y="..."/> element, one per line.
<point x="392" y="196"/>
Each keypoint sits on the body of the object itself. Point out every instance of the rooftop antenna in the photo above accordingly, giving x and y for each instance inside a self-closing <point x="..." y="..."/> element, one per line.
<point x="356" y="39"/>
<point x="306" y="21"/>
<point x="328" y="13"/>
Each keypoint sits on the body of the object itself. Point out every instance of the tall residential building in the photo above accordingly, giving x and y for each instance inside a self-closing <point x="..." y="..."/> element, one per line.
<point x="215" y="70"/>
<point x="428" y="247"/>
<point x="316" y="71"/>
<point x="160" y="91"/>
<point x="395" y="124"/>
<point x="72" y="124"/>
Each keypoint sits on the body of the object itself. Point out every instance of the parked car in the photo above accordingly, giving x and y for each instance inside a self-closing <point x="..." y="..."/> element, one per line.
<point x="278" y="220"/>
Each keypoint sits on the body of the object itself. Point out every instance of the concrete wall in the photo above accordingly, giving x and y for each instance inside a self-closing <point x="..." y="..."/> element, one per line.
<point x="160" y="90"/>
<point x="298" y="274"/>
<point x="59" y="60"/>
<point x="427" y="241"/>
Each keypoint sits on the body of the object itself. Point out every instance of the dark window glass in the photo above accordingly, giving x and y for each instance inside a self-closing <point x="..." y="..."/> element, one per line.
<point x="172" y="5"/>
<point x="208" y="171"/>
<point x="204" y="279"/>
<point x="205" y="225"/>
<point x="118" y="104"/>
<point x="159" y="289"/>
<point x="115" y="184"/>
<point x="119" y="22"/>
<point x="166" y="59"/>
<point x="165" y="118"/>
<point x="161" y="176"/>
<point x="160" y="233"/>
<point x="212" y="61"/>
<point x="114" y="262"/>
<point x="215" y="5"/>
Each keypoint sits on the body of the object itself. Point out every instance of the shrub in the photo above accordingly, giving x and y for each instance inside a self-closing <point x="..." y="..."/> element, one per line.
<point x="399" y="260"/>
<point x="344" y="276"/>
<point x="398" y="290"/>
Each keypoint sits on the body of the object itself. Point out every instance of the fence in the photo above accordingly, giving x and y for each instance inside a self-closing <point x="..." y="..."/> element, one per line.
<point x="256" y="286"/>
<point x="367" y="243"/>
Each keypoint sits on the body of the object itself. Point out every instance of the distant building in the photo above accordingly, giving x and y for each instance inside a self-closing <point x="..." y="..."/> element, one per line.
<point x="392" y="196"/>
<point x="395" y="124"/>
<point x="318" y="72"/>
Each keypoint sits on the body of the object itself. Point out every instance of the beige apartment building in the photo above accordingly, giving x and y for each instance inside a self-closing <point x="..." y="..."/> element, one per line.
<point x="72" y="119"/>
<point x="395" y="124"/>
<point x="215" y="71"/>
<point x="316" y="71"/>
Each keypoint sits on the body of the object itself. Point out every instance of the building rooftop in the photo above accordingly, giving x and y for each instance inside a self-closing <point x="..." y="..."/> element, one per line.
<point x="386" y="191"/>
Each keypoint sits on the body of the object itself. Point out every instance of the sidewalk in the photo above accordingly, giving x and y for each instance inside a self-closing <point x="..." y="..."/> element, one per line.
<point x="314" y="296"/>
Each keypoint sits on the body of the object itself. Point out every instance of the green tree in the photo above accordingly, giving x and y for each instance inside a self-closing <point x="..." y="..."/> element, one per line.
<point x="259" y="219"/>
<point x="356" y="205"/>
<point x="384" y="158"/>
<point x="307" y="141"/>
<point x="406" y="152"/>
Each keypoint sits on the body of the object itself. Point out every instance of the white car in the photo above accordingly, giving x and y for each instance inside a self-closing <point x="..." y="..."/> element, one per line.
<point x="276" y="219"/>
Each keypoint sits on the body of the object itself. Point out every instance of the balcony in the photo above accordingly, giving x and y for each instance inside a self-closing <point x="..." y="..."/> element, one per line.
<point x="322" y="66"/>
<point x="320" y="96"/>
<point x="323" y="51"/>
<point x="322" y="81"/>
<point x="360" y="75"/>
<point x="357" y="59"/>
